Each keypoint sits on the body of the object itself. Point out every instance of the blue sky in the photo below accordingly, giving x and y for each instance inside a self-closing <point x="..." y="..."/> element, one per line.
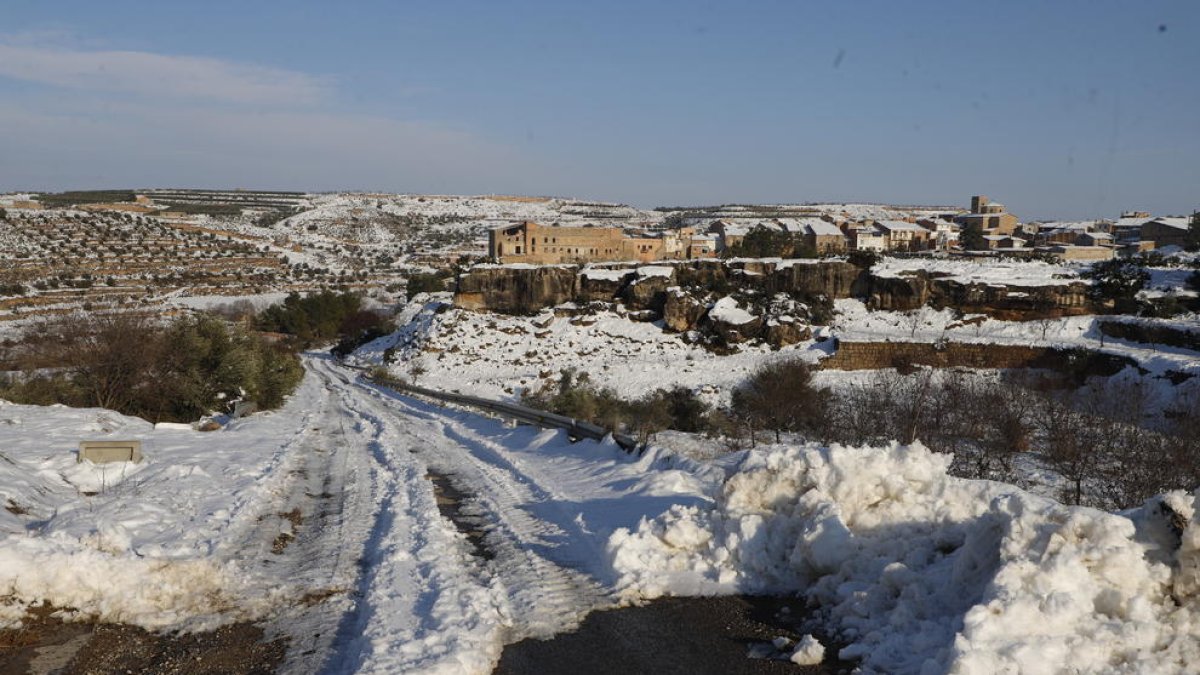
<point x="1059" y="109"/>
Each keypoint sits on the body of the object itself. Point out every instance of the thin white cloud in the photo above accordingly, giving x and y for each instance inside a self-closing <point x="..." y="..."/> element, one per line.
<point x="136" y="144"/>
<point x="159" y="75"/>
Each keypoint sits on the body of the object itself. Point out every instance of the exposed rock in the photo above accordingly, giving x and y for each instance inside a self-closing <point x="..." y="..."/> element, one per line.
<point x="648" y="292"/>
<point x="515" y="290"/>
<point x="682" y="311"/>
<point x="786" y="331"/>
<point x="732" y="323"/>
<point x="644" y="315"/>
<point x="1017" y="303"/>
<point x="523" y="289"/>
<point x="898" y="294"/>
<point x="831" y="278"/>
<point x="606" y="286"/>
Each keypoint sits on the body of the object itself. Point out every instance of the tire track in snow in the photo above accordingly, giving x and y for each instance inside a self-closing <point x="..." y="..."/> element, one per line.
<point x="422" y="604"/>
<point x="545" y="595"/>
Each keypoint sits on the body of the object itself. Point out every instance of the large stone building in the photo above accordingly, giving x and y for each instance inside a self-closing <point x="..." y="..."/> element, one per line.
<point x="531" y="242"/>
<point x="901" y="235"/>
<point x="990" y="217"/>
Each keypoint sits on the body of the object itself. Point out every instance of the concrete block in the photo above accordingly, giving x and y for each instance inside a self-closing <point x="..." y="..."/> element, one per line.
<point x="103" y="452"/>
<point x="243" y="408"/>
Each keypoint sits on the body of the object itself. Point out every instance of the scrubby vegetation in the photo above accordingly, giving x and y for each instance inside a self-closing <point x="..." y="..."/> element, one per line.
<point x="1118" y="281"/>
<point x="765" y="243"/>
<point x="574" y="395"/>
<point x="426" y="282"/>
<point x="61" y="199"/>
<point x="325" y="317"/>
<point x="1111" y="442"/>
<point x="780" y="397"/>
<point x="136" y="365"/>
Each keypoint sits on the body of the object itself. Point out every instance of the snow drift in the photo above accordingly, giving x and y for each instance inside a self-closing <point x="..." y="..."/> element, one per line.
<point x="920" y="572"/>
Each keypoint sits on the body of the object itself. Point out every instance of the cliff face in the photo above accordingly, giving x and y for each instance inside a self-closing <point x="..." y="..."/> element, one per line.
<point x="524" y="289"/>
<point x="516" y="290"/>
<point x="1017" y="303"/>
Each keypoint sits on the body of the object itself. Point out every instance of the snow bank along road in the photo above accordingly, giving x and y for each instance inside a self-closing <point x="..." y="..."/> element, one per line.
<point x="321" y="522"/>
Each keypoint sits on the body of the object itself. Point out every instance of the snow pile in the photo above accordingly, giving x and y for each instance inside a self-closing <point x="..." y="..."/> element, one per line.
<point x="921" y="572"/>
<point x="809" y="652"/>
<point x="94" y="577"/>
<point x="727" y="311"/>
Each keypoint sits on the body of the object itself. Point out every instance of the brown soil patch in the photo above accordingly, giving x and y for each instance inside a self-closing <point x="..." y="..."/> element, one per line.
<point x="674" y="635"/>
<point x="284" y="538"/>
<point x="82" y="648"/>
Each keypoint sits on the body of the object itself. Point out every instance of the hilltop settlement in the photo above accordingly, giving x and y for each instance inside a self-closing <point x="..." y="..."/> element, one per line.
<point x="436" y="433"/>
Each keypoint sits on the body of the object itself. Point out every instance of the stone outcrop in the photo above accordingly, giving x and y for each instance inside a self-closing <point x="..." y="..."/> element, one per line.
<point x="516" y="289"/>
<point x="1019" y="303"/>
<point x="784" y="331"/>
<point x="682" y="311"/>
<point x="732" y="324"/>
<point x="527" y="288"/>
<point x="604" y="287"/>
<point x="648" y="292"/>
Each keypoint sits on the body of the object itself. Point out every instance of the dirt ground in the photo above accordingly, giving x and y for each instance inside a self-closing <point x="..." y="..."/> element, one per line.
<point x="46" y="645"/>
<point x="673" y="635"/>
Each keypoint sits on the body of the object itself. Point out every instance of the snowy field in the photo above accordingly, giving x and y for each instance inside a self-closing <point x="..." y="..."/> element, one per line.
<point x="499" y="356"/>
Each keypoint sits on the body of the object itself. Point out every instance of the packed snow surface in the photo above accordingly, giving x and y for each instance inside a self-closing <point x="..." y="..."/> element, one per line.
<point x="920" y="572"/>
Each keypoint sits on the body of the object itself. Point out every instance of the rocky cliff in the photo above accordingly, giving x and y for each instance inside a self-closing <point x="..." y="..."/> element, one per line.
<point x="1012" y="303"/>
<point x="776" y="300"/>
<point x="516" y="289"/>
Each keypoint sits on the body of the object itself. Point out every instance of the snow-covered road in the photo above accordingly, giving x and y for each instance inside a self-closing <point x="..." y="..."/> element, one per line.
<point x="321" y="521"/>
<point x="424" y="601"/>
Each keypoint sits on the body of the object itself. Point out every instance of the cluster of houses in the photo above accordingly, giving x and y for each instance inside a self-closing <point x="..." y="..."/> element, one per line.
<point x="986" y="227"/>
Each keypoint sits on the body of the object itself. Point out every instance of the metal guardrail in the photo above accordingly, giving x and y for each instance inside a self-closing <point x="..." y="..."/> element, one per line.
<point x="547" y="420"/>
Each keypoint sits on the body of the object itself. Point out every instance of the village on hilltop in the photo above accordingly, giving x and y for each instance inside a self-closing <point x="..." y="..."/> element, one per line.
<point x="987" y="227"/>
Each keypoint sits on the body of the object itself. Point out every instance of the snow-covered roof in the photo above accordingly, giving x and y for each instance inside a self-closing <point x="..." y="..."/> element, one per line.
<point x="1063" y="226"/>
<point x="1178" y="223"/>
<point x="899" y="225"/>
<point x="821" y="228"/>
<point x="791" y="224"/>
<point x="868" y="232"/>
<point x="815" y="226"/>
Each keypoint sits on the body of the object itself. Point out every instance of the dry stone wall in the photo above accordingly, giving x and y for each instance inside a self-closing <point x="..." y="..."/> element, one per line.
<point x="877" y="355"/>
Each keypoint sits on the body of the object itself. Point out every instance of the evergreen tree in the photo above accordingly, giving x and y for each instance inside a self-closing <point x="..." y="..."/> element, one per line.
<point x="971" y="238"/>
